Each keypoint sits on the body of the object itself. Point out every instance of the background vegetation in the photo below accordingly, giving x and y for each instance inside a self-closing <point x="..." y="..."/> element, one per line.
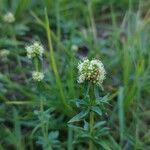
<point x="116" y="32"/>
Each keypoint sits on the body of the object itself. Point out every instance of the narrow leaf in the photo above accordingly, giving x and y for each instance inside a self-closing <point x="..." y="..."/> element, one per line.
<point x="79" y="116"/>
<point x="121" y="112"/>
<point x="99" y="124"/>
<point x="97" y="110"/>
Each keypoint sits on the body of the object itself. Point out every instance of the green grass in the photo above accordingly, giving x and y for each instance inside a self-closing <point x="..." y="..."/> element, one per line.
<point x="116" y="32"/>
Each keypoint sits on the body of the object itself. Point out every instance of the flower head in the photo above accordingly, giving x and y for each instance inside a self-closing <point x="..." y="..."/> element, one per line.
<point x="37" y="76"/>
<point x="74" y="48"/>
<point x="4" y="53"/>
<point x="92" y="71"/>
<point x="35" y="50"/>
<point x="9" y="17"/>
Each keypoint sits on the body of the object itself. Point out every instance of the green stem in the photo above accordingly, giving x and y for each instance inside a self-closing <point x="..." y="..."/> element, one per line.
<point x="36" y="64"/>
<point x="92" y="103"/>
<point x="13" y="35"/>
<point x="87" y="90"/>
<point x="91" y="146"/>
<point x="16" y="46"/>
<point x="58" y="19"/>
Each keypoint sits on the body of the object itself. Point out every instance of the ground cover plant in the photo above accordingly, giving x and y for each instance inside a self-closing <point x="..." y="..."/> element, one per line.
<point x="74" y="75"/>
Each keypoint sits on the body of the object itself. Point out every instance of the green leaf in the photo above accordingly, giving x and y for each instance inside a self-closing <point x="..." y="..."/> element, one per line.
<point x="75" y="127"/>
<point x="103" y="144"/>
<point x="80" y="103"/>
<point x="97" y="110"/>
<point x="99" y="124"/>
<point x="121" y="112"/>
<point x="21" y="29"/>
<point x="79" y="116"/>
<point x="86" y="89"/>
<point x="102" y="99"/>
<point x="53" y="135"/>
<point x="86" y="125"/>
<point x="96" y="91"/>
<point x="102" y="132"/>
<point x="113" y="142"/>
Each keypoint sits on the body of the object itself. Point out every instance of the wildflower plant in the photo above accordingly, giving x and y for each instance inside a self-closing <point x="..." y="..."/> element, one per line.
<point x="48" y="140"/>
<point x="92" y="75"/>
<point x="35" y="52"/>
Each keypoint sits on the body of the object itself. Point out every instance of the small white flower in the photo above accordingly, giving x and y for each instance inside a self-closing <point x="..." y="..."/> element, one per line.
<point x="35" y="50"/>
<point x="92" y="71"/>
<point x="74" y="48"/>
<point x="37" y="76"/>
<point x="9" y="17"/>
<point x="4" y="53"/>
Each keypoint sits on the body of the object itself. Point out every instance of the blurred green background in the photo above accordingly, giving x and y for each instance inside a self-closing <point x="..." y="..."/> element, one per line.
<point x="116" y="32"/>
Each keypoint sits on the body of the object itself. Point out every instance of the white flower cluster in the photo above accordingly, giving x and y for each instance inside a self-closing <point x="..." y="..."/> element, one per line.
<point x="37" y="76"/>
<point x="35" y="50"/>
<point x="92" y="71"/>
<point x="9" y="17"/>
